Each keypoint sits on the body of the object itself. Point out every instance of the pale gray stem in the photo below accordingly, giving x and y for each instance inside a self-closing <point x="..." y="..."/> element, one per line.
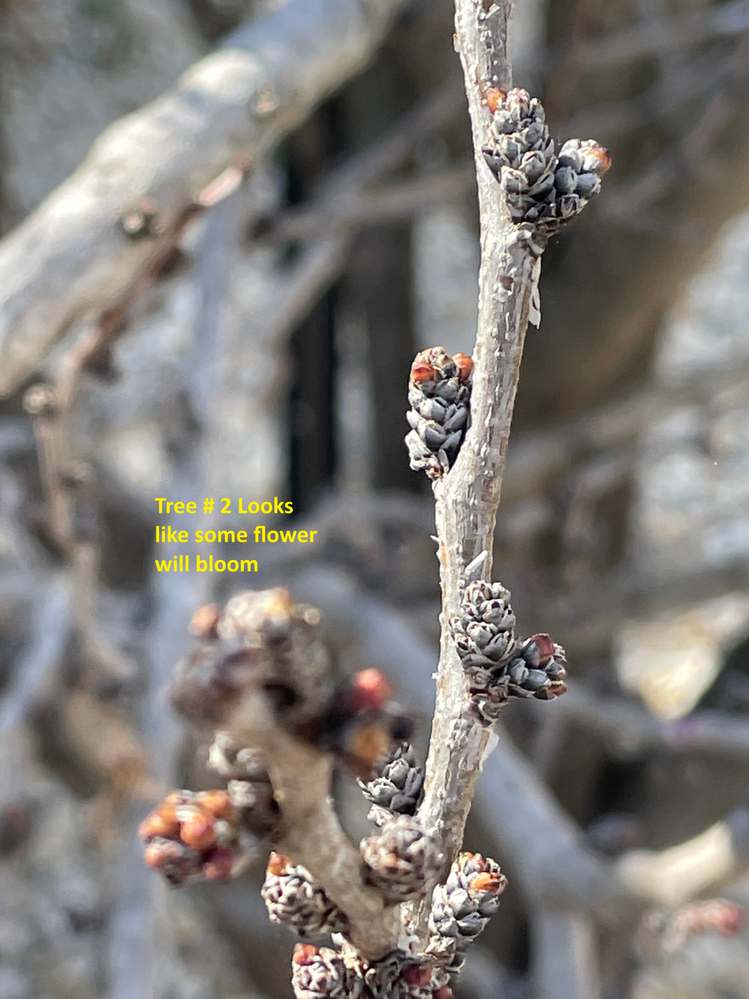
<point x="468" y="497"/>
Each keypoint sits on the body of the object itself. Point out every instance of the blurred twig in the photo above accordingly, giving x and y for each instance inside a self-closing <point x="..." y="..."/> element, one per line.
<point x="682" y="31"/>
<point x="71" y="256"/>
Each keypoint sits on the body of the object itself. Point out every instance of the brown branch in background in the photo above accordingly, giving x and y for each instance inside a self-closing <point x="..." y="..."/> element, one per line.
<point x="61" y="264"/>
<point x="395" y="202"/>
<point x="564" y="958"/>
<point x="702" y="866"/>
<point x="322" y="260"/>
<point x="695" y="151"/>
<point x="635" y="43"/>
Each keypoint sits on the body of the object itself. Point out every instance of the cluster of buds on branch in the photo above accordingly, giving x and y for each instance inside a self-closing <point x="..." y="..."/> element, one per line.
<point x="499" y="666"/>
<point x="262" y="644"/>
<point x="543" y="187"/>
<point x="462" y="907"/>
<point x="197" y="836"/>
<point x="439" y="394"/>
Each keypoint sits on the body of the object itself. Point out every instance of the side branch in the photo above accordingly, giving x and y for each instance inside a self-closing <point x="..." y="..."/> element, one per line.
<point x="78" y="251"/>
<point x="311" y="832"/>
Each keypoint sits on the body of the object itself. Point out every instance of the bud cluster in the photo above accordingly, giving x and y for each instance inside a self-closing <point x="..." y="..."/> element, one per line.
<point x="543" y="187"/>
<point x="396" y="787"/>
<point x="497" y="665"/>
<point x="260" y="640"/>
<point x="462" y="907"/>
<point x="400" y="858"/>
<point x="439" y="394"/>
<point x="401" y="976"/>
<point x="363" y="721"/>
<point x="321" y="973"/>
<point x="294" y="898"/>
<point x="194" y="836"/>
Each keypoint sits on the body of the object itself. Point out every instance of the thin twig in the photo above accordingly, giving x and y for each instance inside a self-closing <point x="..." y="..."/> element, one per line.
<point x="468" y="497"/>
<point x="396" y="202"/>
<point x="626" y="46"/>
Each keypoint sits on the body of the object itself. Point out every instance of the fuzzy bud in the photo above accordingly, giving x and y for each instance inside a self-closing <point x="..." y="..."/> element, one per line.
<point x="542" y="187"/>
<point x="400" y="858"/>
<point x="439" y="395"/>
<point x="462" y="907"/>
<point x="320" y="973"/>
<point x="197" y="836"/>
<point x="294" y="898"/>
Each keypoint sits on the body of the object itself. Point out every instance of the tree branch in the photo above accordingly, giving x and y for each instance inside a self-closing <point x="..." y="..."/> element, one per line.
<point x="71" y="256"/>
<point x="564" y="956"/>
<point x="312" y="834"/>
<point x="468" y="497"/>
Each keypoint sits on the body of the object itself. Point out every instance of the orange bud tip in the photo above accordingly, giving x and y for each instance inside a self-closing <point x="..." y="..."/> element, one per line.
<point x="204" y="620"/>
<point x="198" y="832"/>
<point x="304" y="954"/>
<point x="371" y="689"/>
<point x="422" y="371"/>
<point x="494" y="97"/>
<point x="605" y="157"/>
<point x="161" y="822"/>
<point x="219" y="865"/>
<point x="489" y="881"/>
<point x="277" y="863"/>
<point x="218" y="804"/>
<point x="465" y="365"/>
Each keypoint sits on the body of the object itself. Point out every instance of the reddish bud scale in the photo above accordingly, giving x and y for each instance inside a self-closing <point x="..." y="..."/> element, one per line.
<point x="443" y="992"/>
<point x="199" y="832"/>
<point x="604" y="156"/>
<point x="371" y="689"/>
<point x="465" y="365"/>
<point x="422" y="371"/>
<point x="204" y="621"/>
<point x="365" y="747"/>
<point x="218" y="804"/>
<point x="304" y="954"/>
<point x="418" y="974"/>
<point x="219" y="865"/>
<point x="161" y="822"/>
<point x="277" y="863"/>
<point x="545" y="646"/>
<point x="488" y="882"/>
<point x="494" y="98"/>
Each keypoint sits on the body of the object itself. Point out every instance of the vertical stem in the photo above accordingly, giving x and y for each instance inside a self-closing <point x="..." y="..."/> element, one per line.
<point x="468" y="497"/>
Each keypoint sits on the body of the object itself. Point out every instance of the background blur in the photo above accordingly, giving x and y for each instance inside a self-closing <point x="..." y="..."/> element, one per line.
<point x="270" y="360"/>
